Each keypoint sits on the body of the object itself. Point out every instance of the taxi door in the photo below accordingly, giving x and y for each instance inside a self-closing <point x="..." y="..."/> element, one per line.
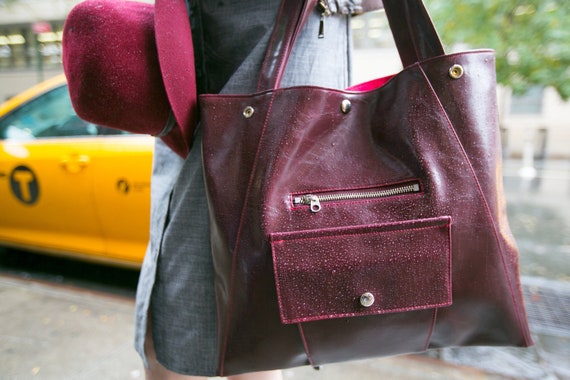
<point x="122" y="174"/>
<point x="47" y="201"/>
<point x="46" y="192"/>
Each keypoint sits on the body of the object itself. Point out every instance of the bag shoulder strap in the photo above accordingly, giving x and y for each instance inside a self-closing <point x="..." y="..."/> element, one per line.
<point x="291" y="17"/>
<point x="413" y="31"/>
<point x="410" y="23"/>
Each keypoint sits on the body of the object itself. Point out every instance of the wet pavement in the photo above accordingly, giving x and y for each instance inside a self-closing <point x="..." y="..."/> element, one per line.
<point x="539" y="215"/>
<point x="56" y="329"/>
<point x="50" y="331"/>
<point x="538" y="204"/>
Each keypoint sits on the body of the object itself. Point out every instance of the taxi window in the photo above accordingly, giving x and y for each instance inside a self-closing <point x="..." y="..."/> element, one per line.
<point x="49" y="115"/>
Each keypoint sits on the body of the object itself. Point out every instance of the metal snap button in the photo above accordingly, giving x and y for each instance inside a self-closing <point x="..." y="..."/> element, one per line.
<point x="367" y="299"/>
<point x="345" y="106"/>
<point x="456" y="71"/>
<point x="248" y="112"/>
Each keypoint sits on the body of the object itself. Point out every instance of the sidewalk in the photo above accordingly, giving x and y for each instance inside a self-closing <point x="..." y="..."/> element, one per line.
<point x="58" y="332"/>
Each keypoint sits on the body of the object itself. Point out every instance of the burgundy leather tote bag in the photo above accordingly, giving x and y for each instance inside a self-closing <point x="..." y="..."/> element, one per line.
<point x="361" y="223"/>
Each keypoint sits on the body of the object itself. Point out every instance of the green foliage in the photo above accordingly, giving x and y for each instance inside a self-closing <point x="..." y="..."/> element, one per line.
<point x="531" y="38"/>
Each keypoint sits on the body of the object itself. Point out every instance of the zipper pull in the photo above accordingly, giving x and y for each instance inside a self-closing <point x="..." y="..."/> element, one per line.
<point x="325" y="11"/>
<point x="309" y="199"/>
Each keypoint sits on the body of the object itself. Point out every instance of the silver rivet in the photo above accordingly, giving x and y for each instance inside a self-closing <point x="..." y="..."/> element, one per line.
<point x="456" y="71"/>
<point x="367" y="299"/>
<point x="345" y="106"/>
<point x="248" y="112"/>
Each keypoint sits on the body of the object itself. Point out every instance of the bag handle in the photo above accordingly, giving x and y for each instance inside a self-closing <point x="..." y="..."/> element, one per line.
<point x="413" y="31"/>
<point x="410" y="23"/>
<point x="292" y="16"/>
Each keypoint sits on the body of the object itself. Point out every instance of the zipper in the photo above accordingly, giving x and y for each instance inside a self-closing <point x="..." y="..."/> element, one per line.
<point x="325" y="11"/>
<point x="314" y="200"/>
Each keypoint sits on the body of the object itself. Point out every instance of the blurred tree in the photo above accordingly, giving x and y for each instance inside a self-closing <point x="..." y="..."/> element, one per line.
<point x="531" y="37"/>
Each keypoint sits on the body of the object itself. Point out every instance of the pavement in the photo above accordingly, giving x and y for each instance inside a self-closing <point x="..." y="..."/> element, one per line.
<point x="56" y="330"/>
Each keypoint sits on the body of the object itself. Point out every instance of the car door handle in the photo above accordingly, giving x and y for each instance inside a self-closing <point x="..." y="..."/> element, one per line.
<point x="74" y="163"/>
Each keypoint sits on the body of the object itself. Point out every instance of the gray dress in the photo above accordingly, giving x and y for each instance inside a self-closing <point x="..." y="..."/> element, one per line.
<point x="176" y="290"/>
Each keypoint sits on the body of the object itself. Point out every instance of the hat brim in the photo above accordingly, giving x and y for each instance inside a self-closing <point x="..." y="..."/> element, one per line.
<point x="129" y="64"/>
<point x="176" y="58"/>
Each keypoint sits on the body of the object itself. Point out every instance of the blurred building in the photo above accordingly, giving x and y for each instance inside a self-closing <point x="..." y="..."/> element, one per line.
<point x="536" y="125"/>
<point x="30" y="42"/>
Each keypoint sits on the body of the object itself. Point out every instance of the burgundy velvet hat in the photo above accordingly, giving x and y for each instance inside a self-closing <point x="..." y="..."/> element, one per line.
<point x="130" y="66"/>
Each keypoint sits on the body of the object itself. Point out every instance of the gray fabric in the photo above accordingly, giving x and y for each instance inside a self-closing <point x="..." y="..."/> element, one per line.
<point x="176" y="286"/>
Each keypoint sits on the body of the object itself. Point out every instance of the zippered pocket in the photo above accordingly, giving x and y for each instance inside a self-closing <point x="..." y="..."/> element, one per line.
<point x="315" y="200"/>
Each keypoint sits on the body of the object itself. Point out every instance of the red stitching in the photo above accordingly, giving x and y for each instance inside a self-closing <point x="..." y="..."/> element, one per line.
<point x="330" y="233"/>
<point x="376" y="312"/>
<point x="238" y="235"/>
<point x="432" y="327"/>
<point x="481" y="194"/>
<point x="306" y="345"/>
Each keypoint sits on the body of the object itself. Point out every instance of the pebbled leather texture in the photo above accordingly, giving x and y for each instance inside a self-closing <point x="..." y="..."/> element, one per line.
<point x="440" y="262"/>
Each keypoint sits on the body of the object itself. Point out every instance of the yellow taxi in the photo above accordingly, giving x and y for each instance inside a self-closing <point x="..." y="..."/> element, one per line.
<point x="69" y="187"/>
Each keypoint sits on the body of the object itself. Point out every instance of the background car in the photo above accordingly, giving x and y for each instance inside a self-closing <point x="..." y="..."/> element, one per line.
<point x="69" y="187"/>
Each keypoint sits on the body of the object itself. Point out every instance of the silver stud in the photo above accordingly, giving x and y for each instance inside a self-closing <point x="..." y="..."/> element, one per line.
<point x="345" y="106"/>
<point x="248" y="112"/>
<point x="456" y="71"/>
<point x="367" y="299"/>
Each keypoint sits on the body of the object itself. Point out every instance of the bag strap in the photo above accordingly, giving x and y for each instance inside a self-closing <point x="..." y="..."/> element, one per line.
<point x="291" y="17"/>
<point x="413" y="31"/>
<point x="411" y="25"/>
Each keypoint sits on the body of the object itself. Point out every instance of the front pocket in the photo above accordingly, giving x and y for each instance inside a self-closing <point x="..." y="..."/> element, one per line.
<point x="315" y="200"/>
<point x="363" y="270"/>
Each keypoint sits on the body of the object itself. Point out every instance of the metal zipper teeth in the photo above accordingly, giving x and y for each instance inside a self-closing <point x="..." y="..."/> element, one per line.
<point x="315" y="200"/>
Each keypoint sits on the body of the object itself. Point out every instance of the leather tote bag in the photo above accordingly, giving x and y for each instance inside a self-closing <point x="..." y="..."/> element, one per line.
<point x="361" y="223"/>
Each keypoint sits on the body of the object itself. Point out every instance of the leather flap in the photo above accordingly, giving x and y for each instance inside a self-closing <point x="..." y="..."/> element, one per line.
<point x="363" y="270"/>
